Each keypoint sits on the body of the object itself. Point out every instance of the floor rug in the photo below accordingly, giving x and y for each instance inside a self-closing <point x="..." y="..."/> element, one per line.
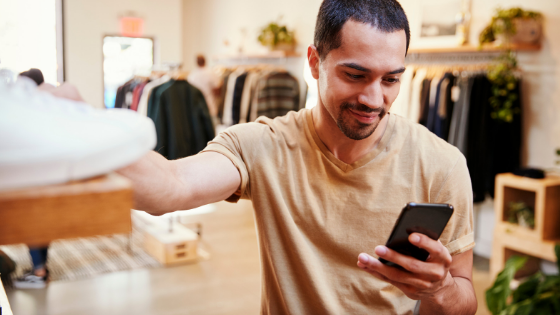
<point x="81" y="258"/>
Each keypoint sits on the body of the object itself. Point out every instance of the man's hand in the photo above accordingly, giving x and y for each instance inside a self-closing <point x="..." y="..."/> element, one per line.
<point x="419" y="280"/>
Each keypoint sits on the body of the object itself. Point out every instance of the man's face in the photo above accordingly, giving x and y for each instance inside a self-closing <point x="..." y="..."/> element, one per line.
<point x="359" y="81"/>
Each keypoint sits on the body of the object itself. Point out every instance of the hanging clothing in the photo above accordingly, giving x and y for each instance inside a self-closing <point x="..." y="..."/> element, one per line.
<point x="143" y="102"/>
<point x="459" y="128"/>
<point x="248" y="88"/>
<point x="237" y="94"/>
<point x="182" y="119"/>
<point x="136" y="95"/>
<point x="277" y="95"/>
<point x="206" y="81"/>
<point x="227" y="118"/>
<point x="433" y="102"/>
<point x="221" y="99"/>
<point x="415" y="94"/>
<point x="401" y="106"/>
<point x="425" y="101"/>
<point x="447" y="106"/>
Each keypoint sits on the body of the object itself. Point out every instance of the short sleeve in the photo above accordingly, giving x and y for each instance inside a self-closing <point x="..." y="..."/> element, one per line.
<point x="456" y="190"/>
<point x="238" y="143"/>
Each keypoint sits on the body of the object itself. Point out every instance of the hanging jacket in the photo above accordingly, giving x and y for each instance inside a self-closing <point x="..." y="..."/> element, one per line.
<point x="182" y="119"/>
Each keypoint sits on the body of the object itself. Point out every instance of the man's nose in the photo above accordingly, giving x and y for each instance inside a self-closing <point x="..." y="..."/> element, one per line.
<point x="372" y="95"/>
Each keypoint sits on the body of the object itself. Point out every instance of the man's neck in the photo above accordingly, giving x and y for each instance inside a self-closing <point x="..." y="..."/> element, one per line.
<point x="342" y="147"/>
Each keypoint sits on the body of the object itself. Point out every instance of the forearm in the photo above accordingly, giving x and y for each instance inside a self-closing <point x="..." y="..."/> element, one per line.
<point x="155" y="184"/>
<point x="457" y="298"/>
<point x="162" y="186"/>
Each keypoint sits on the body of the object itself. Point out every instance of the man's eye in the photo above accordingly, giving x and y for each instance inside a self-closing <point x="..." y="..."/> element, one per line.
<point x="354" y="76"/>
<point x="392" y="80"/>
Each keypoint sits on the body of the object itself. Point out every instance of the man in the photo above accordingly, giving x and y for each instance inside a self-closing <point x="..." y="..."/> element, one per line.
<point x="328" y="184"/>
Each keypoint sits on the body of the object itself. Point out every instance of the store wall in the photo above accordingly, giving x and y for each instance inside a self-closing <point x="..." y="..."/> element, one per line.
<point x="209" y="23"/>
<point x="86" y="22"/>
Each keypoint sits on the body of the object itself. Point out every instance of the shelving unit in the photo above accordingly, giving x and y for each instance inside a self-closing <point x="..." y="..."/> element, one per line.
<point x="541" y="194"/>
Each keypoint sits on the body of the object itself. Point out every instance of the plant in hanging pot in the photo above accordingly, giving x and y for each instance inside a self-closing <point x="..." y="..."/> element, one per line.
<point x="513" y="26"/>
<point x="503" y="77"/>
<point x="277" y="37"/>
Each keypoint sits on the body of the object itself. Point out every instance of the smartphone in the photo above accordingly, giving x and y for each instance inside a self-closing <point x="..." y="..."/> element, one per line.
<point x="429" y="219"/>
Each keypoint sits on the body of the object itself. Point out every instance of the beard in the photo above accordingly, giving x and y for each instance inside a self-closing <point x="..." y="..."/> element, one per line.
<point x="354" y="129"/>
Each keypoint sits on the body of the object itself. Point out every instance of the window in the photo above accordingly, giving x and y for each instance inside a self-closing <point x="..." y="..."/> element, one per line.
<point x="123" y="59"/>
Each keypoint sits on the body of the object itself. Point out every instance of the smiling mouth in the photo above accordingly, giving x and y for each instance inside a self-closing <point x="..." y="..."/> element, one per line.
<point x="364" y="117"/>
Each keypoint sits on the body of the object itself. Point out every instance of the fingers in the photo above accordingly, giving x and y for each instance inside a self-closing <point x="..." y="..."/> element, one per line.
<point x="423" y="270"/>
<point x="390" y="274"/>
<point x="437" y="251"/>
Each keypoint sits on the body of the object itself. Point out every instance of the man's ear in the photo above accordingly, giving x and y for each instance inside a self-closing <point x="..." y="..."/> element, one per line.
<point x="313" y="59"/>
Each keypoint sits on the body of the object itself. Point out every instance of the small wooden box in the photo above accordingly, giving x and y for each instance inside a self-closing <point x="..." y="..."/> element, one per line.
<point x="541" y="194"/>
<point x="38" y="215"/>
<point x="171" y="247"/>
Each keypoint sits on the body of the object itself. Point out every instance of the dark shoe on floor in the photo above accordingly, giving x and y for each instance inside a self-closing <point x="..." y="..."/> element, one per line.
<point x="30" y="281"/>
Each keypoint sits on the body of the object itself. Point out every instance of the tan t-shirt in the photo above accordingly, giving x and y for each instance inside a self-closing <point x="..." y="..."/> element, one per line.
<point x="315" y="213"/>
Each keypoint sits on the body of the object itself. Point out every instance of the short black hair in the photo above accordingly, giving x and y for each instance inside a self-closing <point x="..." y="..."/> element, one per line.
<point x="386" y="15"/>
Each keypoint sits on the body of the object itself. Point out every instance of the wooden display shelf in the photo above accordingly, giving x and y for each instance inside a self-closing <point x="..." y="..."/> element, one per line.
<point x="474" y="49"/>
<point x="506" y="243"/>
<point x="36" y="216"/>
<point x="541" y="194"/>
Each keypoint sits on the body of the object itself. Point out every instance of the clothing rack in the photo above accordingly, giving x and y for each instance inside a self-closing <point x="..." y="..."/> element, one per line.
<point x="486" y="57"/>
<point x="293" y="63"/>
<point x="450" y="95"/>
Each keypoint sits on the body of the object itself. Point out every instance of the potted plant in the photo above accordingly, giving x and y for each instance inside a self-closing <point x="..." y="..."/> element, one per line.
<point x="538" y="294"/>
<point x="522" y="214"/>
<point x="277" y="37"/>
<point x="515" y="26"/>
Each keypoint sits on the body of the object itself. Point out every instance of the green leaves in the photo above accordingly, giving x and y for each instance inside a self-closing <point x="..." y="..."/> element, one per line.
<point x="274" y="34"/>
<point x="502" y="77"/>
<point x="502" y="23"/>
<point x="539" y="294"/>
<point x="497" y="295"/>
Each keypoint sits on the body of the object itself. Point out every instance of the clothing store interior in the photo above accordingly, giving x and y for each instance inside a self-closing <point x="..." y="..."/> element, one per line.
<point x="223" y="157"/>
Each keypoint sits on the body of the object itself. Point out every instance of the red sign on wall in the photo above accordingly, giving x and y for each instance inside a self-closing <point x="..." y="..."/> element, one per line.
<point x="132" y="26"/>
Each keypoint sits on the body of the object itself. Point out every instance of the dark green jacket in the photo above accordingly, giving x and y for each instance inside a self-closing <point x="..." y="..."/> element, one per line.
<point x="182" y="120"/>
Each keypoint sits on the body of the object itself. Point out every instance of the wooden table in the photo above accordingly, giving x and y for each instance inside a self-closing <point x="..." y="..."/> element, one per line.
<point x="36" y="216"/>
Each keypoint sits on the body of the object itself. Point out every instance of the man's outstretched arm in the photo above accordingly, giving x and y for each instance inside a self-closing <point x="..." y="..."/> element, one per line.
<point x="162" y="186"/>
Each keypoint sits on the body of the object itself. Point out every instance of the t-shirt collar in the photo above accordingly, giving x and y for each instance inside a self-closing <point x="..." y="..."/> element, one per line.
<point x="381" y="146"/>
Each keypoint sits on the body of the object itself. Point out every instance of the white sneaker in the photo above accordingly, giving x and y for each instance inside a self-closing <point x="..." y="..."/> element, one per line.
<point x="48" y="140"/>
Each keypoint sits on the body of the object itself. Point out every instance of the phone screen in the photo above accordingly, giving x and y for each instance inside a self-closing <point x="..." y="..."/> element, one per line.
<point x="426" y="218"/>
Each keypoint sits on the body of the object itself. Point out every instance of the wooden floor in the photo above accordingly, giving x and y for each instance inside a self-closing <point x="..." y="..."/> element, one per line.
<point x="226" y="283"/>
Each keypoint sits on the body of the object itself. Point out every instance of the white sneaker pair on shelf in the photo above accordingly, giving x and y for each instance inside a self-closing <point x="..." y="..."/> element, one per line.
<point x="49" y="140"/>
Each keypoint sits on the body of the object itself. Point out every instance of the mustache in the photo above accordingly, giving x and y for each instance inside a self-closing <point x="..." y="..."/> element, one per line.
<point x="361" y="108"/>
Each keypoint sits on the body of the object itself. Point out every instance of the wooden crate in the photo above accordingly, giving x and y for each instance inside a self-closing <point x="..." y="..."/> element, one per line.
<point x="506" y="243"/>
<point x="169" y="247"/>
<point x="544" y="196"/>
<point x="36" y="216"/>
